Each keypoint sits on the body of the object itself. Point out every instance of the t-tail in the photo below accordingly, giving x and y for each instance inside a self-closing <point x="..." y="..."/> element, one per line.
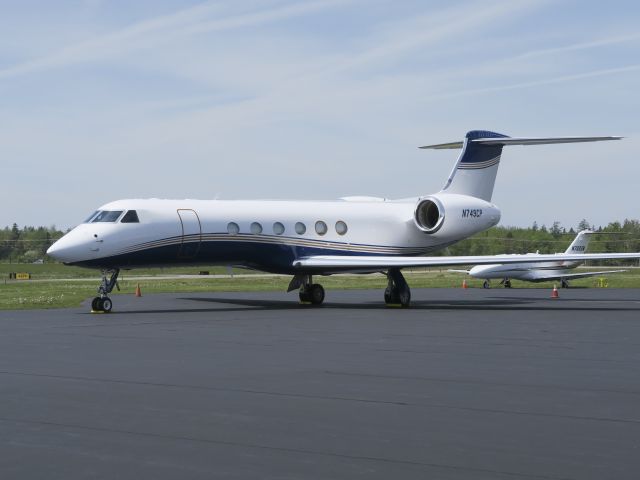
<point x="580" y="243"/>
<point x="475" y="171"/>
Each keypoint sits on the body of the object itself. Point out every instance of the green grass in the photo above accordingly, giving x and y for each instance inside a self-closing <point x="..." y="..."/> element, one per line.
<point x="58" y="270"/>
<point x="49" y="291"/>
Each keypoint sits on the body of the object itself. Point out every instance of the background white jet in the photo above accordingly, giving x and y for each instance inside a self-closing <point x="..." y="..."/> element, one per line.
<point x="538" y="272"/>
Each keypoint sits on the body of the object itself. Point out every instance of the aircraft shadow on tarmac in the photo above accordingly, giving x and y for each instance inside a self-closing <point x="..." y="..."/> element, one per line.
<point x="487" y="304"/>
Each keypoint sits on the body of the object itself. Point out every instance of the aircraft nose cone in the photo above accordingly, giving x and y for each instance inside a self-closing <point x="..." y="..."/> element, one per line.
<point x="62" y="250"/>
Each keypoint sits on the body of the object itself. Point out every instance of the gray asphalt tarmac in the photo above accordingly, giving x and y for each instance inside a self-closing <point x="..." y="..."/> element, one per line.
<point x="467" y="384"/>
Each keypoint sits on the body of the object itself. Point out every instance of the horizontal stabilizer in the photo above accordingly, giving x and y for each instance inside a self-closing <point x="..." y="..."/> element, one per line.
<point x="540" y="141"/>
<point x="444" y="146"/>
<point x="520" y="141"/>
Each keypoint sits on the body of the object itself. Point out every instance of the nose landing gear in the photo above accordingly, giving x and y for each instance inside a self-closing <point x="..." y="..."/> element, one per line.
<point x="102" y="303"/>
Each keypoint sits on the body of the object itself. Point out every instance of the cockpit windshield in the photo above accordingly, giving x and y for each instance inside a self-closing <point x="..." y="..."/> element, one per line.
<point x="130" y="217"/>
<point x="107" y="216"/>
<point x="90" y="217"/>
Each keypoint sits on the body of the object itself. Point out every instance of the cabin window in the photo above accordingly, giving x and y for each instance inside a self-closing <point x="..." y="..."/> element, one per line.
<point x="341" y="227"/>
<point x="301" y="228"/>
<point x="107" y="216"/>
<point x="256" y="228"/>
<point x="130" y="217"/>
<point x="233" y="228"/>
<point x="278" y="228"/>
<point x="91" y="216"/>
<point x="321" y="227"/>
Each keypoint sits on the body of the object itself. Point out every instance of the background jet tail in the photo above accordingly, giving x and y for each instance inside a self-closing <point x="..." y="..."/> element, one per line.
<point x="580" y="243"/>
<point x="475" y="171"/>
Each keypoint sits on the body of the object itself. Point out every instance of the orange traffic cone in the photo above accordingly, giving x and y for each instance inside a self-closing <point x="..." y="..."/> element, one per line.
<point x="554" y="292"/>
<point x="464" y="283"/>
<point x="138" y="292"/>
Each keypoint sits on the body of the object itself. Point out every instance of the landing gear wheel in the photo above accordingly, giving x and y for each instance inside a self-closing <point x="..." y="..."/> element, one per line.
<point x="316" y="294"/>
<point x="486" y="284"/>
<point x="564" y="284"/>
<point x="95" y="304"/>
<point x="404" y="296"/>
<point x="312" y="293"/>
<point x="107" y="304"/>
<point x="304" y="296"/>
<point x="507" y="283"/>
<point x="102" y="303"/>
<point x="397" y="291"/>
<point x="388" y="296"/>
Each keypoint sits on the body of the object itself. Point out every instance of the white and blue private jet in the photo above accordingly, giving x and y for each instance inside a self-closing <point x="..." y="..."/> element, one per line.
<point x="307" y="238"/>
<point x="528" y="271"/>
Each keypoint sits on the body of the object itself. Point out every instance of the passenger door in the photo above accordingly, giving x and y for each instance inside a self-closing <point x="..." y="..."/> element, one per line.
<point x="191" y="233"/>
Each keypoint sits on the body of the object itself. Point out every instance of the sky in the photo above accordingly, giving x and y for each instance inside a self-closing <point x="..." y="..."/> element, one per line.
<point x="317" y="99"/>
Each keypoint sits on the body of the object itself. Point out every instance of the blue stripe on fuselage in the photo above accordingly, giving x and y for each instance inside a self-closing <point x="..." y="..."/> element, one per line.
<point x="268" y="257"/>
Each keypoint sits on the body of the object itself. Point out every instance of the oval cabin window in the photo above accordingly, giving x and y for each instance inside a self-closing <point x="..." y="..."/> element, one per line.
<point x="321" y="227"/>
<point x="301" y="228"/>
<point x="278" y="228"/>
<point x="341" y="227"/>
<point x="233" y="228"/>
<point x="256" y="228"/>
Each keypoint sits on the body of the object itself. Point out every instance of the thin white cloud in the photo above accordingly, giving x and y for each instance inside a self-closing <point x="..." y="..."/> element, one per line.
<point x="189" y="21"/>
<point x="537" y="83"/>
<point x="600" y="42"/>
<point x="432" y="31"/>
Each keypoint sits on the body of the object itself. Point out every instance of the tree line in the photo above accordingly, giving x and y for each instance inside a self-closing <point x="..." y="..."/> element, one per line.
<point x="29" y="244"/>
<point x="26" y="244"/>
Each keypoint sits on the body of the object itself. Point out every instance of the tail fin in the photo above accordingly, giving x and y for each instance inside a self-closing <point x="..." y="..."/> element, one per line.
<point x="580" y="243"/>
<point x="475" y="170"/>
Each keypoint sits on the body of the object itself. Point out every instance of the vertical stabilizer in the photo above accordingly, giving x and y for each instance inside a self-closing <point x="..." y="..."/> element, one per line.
<point x="475" y="171"/>
<point x="580" y="243"/>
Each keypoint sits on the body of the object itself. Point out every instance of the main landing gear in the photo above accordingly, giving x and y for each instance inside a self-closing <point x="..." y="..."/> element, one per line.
<point x="397" y="292"/>
<point x="507" y="283"/>
<point x="564" y="283"/>
<point x="309" y="293"/>
<point x="102" y="303"/>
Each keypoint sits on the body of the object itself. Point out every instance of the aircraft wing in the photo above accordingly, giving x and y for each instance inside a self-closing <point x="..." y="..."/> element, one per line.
<point x="371" y="263"/>
<point x="588" y="274"/>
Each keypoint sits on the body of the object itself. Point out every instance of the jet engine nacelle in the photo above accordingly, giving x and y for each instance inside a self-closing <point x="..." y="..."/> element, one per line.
<point x="453" y="216"/>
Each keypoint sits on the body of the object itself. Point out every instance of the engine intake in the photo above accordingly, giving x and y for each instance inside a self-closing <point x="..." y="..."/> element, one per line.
<point x="429" y="215"/>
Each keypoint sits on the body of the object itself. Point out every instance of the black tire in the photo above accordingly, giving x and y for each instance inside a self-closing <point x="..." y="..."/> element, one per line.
<point x="95" y="304"/>
<point x="316" y="294"/>
<point x="507" y="284"/>
<point x="564" y="284"/>
<point x="107" y="304"/>
<point x="304" y="296"/>
<point x="388" y="296"/>
<point x="404" y="297"/>
<point x="486" y="284"/>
